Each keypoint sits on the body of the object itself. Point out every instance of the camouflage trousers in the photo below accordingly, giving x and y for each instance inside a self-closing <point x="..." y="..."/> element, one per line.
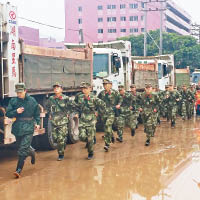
<point x="87" y="132"/>
<point x="186" y="110"/>
<point x="126" y="119"/>
<point x="172" y="111"/>
<point x="108" y="121"/>
<point x="59" y="134"/>
<point x="24" y="145"/>
<point x="149" y="123"/>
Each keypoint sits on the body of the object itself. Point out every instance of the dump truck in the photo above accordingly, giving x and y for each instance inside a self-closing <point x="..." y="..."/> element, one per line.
<point x="39" y="68"/>
<point x="182" y="76"/>
<point x="155" y="70"/>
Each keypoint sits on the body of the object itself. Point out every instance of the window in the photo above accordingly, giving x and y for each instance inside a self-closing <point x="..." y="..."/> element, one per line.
<point x="100" y="64"/>
<point x="112" y="30"/>
<point x="80" y="9"/>
<point x="142" y="18"/>
<point x="79" y="21"/>
<point x="100" y="30"/>
<point x="133" y="18"/>
<point x="131" y="30"/>
<point x="122" y="6"/>
<point x="111" y="6"/>
<point x="133" y="5"/>
<point x="111" y="19"/>
<point x="100" y="19"/>
<point x="123" y="18"/>
<point x="142" y="4"/>
<point x="135" y="30"/>
<point x="142" y="30"/>
<point x="123" y="30"/>
<point x="100" y="7"/>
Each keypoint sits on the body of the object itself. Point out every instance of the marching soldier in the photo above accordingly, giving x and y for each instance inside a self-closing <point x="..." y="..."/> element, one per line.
<point x="149" y="107"/>
<point x="59" y="107"/>
<point x="171" y="98"/>
<point x="113" y="101"/>
<point x="87" y="106"/>
<point x="187" y="100"/>
<point x="135" y="108"/>
<point x="126" y="114"/>
<point x="26" y="111"/>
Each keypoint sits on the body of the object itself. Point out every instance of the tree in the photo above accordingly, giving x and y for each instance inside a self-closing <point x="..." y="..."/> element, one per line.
<point x="186" y="50"/>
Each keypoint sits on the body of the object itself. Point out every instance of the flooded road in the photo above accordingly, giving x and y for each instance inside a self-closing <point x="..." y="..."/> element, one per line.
<point x="169" y="169"/>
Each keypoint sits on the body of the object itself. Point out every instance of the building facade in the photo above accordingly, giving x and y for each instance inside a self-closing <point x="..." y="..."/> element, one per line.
<point x="106" y="20"/>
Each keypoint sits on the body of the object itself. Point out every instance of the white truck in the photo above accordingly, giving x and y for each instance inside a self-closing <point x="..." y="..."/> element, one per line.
<point x="113" y="60"/>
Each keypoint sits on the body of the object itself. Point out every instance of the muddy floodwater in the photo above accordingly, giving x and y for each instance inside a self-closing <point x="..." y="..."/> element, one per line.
<point x="169" y="169"/>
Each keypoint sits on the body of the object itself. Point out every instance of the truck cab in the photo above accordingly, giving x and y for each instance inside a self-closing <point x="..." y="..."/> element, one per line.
<point x="107" y="63"/>
<point x="196" y="76"/>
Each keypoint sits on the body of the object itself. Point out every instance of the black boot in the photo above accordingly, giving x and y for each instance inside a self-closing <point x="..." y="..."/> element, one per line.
<point x="132" y="132"/>
<point x="106" y="147"/>
<point x="158" y="121"/>
<point x="113" y="139"/>
<point x="147" y="143"/>
<point x="95" y="140"/>
<point x="90" y="156"/>
<point x="20" y="166"/>
<point x="120" y="139"/>
<point x="173" y="124"/>
<point x="60" y="157"/>
<point x="32" y="154"/>
<point x="86" y="146"/>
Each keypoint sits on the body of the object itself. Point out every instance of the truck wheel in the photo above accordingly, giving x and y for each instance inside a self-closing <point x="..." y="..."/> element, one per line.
<point x="46" y="140"/>
<point x="73" y="134"/>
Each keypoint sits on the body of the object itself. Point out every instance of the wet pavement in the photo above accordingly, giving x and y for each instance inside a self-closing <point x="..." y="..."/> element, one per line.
<point x="169" y="169"/>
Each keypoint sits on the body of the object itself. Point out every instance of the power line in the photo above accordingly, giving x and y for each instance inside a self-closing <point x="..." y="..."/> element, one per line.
<point x="40" y="23"/>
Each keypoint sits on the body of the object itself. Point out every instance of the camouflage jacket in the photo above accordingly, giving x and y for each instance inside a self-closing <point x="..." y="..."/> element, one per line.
<point x="149" y="102"/>
<point x="31" y="110"/>
<point x="187" y="96"/>
<point x="136" y="98"/>
<point x="111" y="99"/>
<point x="127" y="102"/>
<point x="59" y="109"/>
<point x="172" y="98"/>
<point x="88" y="106"/>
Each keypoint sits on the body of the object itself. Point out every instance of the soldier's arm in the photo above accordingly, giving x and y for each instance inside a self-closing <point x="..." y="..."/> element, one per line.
<point x="119" y="98"/>
<point x="11" y="111"/>
<point x="100" y="105"/>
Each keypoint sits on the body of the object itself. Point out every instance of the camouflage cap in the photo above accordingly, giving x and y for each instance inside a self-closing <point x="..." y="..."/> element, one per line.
<point x="85" y="85"/>
<point x="184" y="85"/>
<point x="133" y="86"/>
<point x="106" y="81"/>
<point x="20" y="87"/>
<point x="121" y="87"/>
<point x="57" y="84"/>
<point x="166" y="86"/>
<point x="148" y="85"/>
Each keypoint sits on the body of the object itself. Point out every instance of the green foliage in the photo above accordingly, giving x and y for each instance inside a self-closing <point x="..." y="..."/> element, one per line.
<point x="186" y="50"/>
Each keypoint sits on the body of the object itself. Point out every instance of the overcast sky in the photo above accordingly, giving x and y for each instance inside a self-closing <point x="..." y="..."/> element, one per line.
<point x="52" y="12"/>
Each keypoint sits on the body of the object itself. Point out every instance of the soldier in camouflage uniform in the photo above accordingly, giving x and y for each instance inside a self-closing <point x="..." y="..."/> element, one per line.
<point x="187" y="100"/>
<point x="87" y="106"/>
<point x="26" y="111"/>
<point x="148" y="107"/>
<point x="113" y="101"/>
<point x="126" y="116"/>
<point x="193" y="91"/>
<point x="171" y="99"/>
<point x="164" y="103"/>
<point x="59" y="107"/>
<point x="135" y="108"/>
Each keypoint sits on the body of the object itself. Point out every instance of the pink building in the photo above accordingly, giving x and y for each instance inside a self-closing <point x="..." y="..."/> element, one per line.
<point x="106" y="20"/>
<point x="31" y="36"/>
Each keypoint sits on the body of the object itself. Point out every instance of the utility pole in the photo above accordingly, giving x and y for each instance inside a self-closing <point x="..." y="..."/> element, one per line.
<point x="161" y="29"/>
<point x="145" y="28"/>
<point x="146" y="10"/>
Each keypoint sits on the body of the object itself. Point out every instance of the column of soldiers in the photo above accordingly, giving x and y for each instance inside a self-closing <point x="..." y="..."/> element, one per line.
<point x="114" y="108"/>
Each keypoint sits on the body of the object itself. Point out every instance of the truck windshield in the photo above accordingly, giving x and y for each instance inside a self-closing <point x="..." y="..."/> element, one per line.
<point x="100" y="65"/>
<point x="195" y="77"/>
